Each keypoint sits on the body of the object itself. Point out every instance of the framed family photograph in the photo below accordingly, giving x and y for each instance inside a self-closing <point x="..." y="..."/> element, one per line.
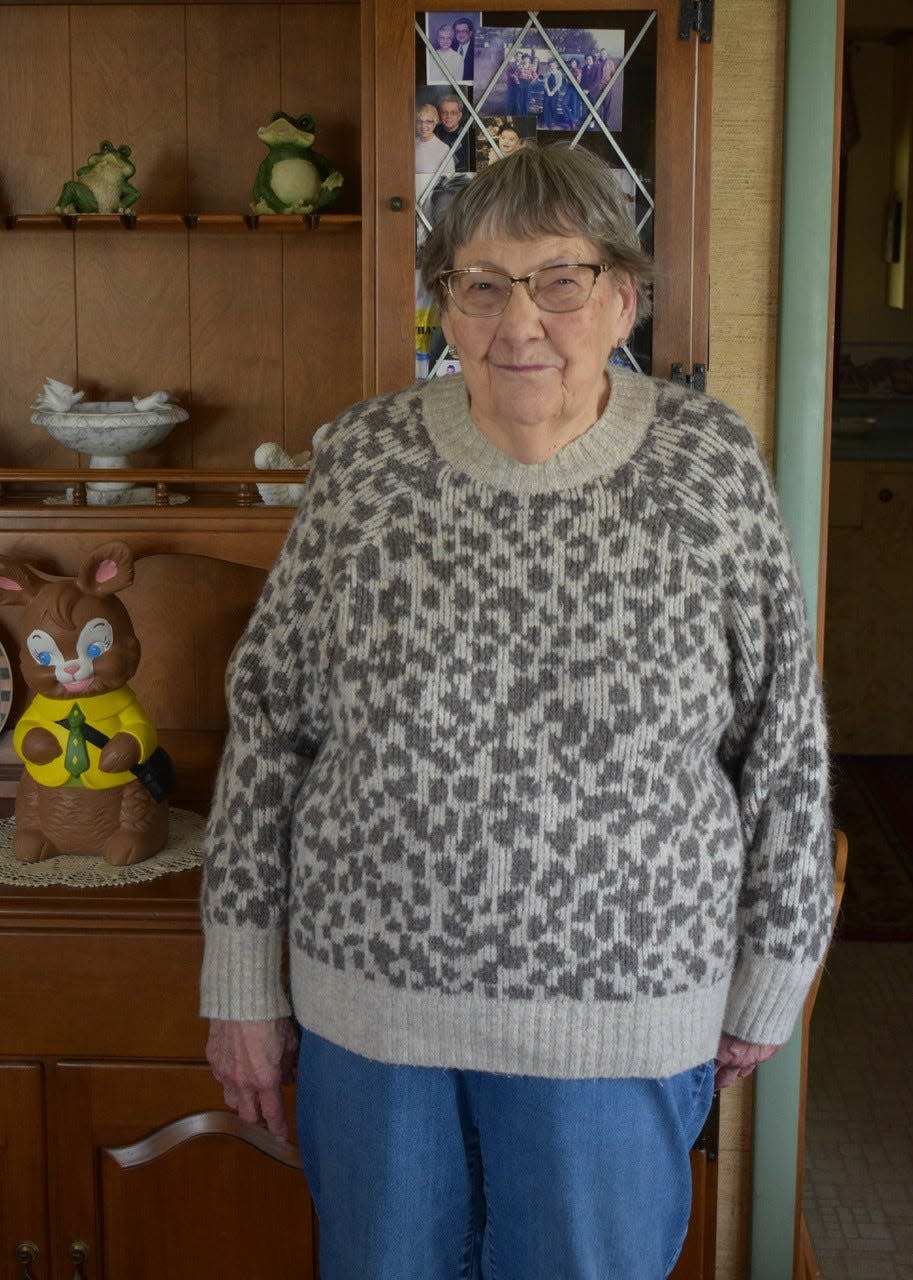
<point x="452" y="36"/>
<point x="573" y="82"/>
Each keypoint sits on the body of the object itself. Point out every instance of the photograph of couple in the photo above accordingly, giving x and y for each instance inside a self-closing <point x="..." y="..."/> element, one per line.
<point x="452" y="36"/>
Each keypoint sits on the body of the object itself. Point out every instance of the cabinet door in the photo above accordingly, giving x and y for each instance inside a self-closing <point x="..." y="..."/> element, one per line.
<point x="652" y="125"/>
<point x="869" y="608"/>
<point x="157" y="1182"/>
<point x="23" y="1201"/>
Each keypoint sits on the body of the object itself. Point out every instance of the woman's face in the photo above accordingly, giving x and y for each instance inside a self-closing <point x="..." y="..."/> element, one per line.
<point x="530" y="371"/>
<point x="444" y="37"/>
<point x="508" y="141"/>
<point x="425" y="121"/>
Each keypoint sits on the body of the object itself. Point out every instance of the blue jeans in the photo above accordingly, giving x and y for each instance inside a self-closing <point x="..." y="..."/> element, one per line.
<point x="420" y="1173"/>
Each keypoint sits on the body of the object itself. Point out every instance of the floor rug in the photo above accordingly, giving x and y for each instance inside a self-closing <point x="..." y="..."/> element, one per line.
<point x="873" y="801"/>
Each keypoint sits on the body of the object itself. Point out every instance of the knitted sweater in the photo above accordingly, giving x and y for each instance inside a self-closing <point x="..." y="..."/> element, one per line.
<point x="528" y="762"/>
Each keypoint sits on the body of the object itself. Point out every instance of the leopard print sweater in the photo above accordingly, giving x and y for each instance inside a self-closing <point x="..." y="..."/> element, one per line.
<point x="527" y="763"/>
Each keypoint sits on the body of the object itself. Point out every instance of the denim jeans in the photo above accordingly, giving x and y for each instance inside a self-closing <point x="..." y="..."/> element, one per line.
<point x="421" y="1173"/>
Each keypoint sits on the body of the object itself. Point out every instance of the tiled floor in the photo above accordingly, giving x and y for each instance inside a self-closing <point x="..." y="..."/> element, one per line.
<point x="859" y="1124"/>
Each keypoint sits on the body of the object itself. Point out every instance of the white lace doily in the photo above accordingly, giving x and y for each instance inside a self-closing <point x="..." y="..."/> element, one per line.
<point x="183" y="851"/>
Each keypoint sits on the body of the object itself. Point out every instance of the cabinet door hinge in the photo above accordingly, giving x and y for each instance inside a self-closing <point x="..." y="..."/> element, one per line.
<point x="696" y="379"/>
<point x="695" y="15"/>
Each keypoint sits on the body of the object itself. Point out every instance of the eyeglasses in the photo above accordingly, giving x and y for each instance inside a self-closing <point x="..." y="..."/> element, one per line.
<point x="479" y="291"/>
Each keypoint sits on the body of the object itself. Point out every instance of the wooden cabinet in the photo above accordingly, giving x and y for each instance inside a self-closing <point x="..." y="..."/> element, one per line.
<point x="869" y="633"/>
<point x="113" y="1137"/>
<point x="112" y="1132"/>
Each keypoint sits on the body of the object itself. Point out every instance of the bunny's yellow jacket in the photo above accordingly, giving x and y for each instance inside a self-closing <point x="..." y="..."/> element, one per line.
<point x="108" y="713"/>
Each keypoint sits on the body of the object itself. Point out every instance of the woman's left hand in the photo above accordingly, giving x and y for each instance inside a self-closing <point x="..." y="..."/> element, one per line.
<point x="736" y="1059"/>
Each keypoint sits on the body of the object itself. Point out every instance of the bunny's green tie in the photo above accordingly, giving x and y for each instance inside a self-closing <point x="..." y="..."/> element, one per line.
<point x="76" y="755"/>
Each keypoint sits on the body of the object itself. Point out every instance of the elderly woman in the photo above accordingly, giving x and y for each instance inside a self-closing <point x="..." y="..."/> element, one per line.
<point x="430" y="151"/>
<point x="448" y="55"/>
<point x="527" y="765"/>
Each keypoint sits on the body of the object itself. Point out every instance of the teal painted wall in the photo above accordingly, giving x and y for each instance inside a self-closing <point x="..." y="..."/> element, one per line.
<point x="805" y="326"/>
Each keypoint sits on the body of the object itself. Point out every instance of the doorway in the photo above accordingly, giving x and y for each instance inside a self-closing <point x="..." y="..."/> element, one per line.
<point x="857" y="1152"/>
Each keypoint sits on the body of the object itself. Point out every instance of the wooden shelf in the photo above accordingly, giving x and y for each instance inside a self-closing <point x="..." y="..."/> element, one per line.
<point x="242" y="481"/>
<point x="290" y="222"/>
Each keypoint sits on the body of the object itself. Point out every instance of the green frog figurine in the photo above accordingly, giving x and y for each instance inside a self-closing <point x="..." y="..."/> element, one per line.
<point x="293" y="178"/>
<point x="102" y="185"/>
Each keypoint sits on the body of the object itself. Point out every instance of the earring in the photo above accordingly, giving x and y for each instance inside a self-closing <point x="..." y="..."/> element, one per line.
<point x="451" y="350"/>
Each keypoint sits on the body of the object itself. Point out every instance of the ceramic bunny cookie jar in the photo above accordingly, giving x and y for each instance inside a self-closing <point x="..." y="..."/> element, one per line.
<point x="95" y="778"/>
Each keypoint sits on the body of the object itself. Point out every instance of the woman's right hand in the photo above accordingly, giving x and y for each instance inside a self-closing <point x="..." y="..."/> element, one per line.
<point x="251" y="1061"/>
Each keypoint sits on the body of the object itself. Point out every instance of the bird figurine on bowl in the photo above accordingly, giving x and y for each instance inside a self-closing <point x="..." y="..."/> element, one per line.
<point x="272" y="457"/>
<point x="57" y="396"/>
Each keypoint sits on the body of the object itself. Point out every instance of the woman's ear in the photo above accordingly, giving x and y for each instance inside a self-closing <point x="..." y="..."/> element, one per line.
<point x="626" y="293"/>
<point x="446" y="325"/>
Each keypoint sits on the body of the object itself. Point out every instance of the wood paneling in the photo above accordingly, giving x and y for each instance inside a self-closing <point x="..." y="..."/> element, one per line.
<point x="37" y="274"/>
<point x="321" y="75"/>
<point x="233" y="74"/>
<point x="35" y="144"/>
<point x="322" y="353"/>
<point x="129" y="87"/>
<point x="188" y="612"/>
<point x="236" y="343"/>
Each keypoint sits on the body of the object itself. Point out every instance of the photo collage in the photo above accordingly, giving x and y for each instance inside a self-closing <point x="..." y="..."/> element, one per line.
<point x="487" y="93"/>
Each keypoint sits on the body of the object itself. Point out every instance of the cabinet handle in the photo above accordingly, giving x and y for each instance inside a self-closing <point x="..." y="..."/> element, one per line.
<point x="78" y="1251"/>
<point x="397" y="204"/>
<point x="885" y="495"/>
<point x="26" y="1253"/>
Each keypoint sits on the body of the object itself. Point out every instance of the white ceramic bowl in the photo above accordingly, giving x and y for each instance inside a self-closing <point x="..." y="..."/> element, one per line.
<point x="110" y="430"/>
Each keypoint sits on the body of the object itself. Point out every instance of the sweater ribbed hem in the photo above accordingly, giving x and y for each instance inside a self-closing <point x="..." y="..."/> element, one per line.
<point x="647" y="1037"/>
<point x="598" y="453"/>
<point x="766" y="997"/>
<point x="241" y="974"/>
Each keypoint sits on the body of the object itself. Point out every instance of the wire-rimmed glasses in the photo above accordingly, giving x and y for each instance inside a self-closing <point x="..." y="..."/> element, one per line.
<point x="483" y="291"/>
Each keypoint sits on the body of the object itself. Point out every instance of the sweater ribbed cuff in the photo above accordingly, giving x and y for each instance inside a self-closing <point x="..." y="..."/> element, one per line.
<point x="766" y="998"/>
<point x="242" y="974"/>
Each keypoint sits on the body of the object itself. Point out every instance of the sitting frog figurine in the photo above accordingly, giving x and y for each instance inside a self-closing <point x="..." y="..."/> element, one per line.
<point x="102" y="185"/>
<point x="293" y="178"/>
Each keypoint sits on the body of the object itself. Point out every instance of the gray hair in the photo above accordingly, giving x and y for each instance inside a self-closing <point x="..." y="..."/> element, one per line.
<point x="539" y="191"/>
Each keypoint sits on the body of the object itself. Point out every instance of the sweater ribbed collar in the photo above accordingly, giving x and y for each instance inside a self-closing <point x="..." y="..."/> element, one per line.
<point x="599" y="452"/>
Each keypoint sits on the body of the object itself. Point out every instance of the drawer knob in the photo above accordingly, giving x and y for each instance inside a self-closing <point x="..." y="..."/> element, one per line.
<point x="26" y="1253"/>
<point x="397" y="204"/>
<point x="885" y="495"/>
<point x="78" y="1251"/>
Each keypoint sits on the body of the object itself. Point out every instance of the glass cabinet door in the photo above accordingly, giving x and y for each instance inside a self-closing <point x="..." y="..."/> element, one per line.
<point x="456" y="89"/>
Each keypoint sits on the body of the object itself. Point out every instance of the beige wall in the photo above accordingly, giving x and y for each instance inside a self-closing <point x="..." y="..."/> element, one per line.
<point x="748" y="77"/>
<point x="748" y="74"/>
